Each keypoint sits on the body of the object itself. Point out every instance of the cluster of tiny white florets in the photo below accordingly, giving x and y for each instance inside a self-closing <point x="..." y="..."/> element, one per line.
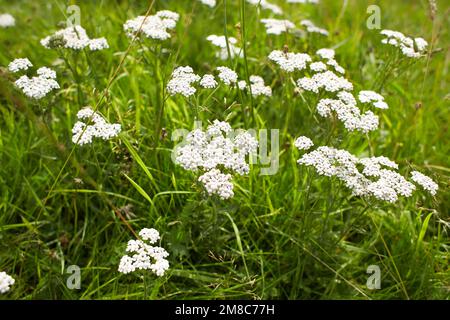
<point x="221" y="43"/>
<point x="6" y="281"/>
<point x="376" y="99"/>
<point x="257" y="86"/>
<point x="146" y="256"/>
<point x="36" y="87"/>
<point x="303" y="1"/>
<point x="289" y="61"/>
<point x="75" y="38"/>
<point x="266" y="5"/>
<point x="19" y="64"/>
<point x="209" y="3"/>
<point x="378" y="177"/>
<point x="154" y="27"/>
<point x="303" y="143"/>
<point x="96" y="128"/>
<point x="323" y="79"/>
<point x="183" y="80"/>
<point x="7" y="20"/>
<point x="425" y="182"/>
<point x="215" y="150"/>
<point x="312" y="28"/>
<point x="410" y="47"/>
<point x="277" y="26"/>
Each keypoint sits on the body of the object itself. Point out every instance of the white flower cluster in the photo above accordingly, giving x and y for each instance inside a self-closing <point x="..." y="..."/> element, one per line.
<point x="153" y="27"/>
<point x="209" y="3"/>
<point x="75" y="38"/>
<point x="266" y="5"/>
<point x="410" y="47"/>
<point x="277" y="26"/>
<point x="84" y="133"/>
<point x="376" y="99"/>
<point x="183" y="79"/>
<point x="7" y="20"/>
<point x="378" y="177"/>
<point x="303" y="1"/>
<point x="312" y="28"/>
<point x="19" y="64"/>
<point x="289" y="61"/>
<point x="303" y="143"/>
<point x="345" y="106"/>
<point x="6" y="281"/>
<point x="257" y="86"/>
<point x="146" y="256"/>
<point x="221" y="43"/>
<point x="426" y="182"/>
<point x="213" y="151"/>
<point x="36" y="87"/>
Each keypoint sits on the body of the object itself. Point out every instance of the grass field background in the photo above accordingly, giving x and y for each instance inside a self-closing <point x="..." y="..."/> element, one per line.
<point x="291" y="235"/>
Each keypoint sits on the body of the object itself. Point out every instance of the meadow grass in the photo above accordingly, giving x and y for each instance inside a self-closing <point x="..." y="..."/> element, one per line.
<point x="291" y="235"/>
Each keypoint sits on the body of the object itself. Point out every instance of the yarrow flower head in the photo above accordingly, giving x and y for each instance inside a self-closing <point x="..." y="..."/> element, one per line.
<point x="83" y="133"/>
<point x="410" y="47"/>
<point x="266" y="5"/>
<point x="289" y="61"/>
<point x="312" y="28"/>
<point x="208" y="81"/>
<point x="19" y="64"/>
<point x="182" y="80"/>
<point x="376" y="99"/>
<point x="75" y="38"/>
<point x="209" y="3"/>
<point x="7" y="20"/>
<point x="153" y="27"/>
<point x="227" y="75"/>
<point x="277" y="26"/>
<point x="6" y="281"/>
<point x="145" y="256"/>
<point x="303" y="143"/>
<point x="215" y="151"/>
<point x="221" y="43"/>
<point x="425" y="182"/>
<point x="378" y="177"/>
<point x="257" y="86"/>
<point x="36" y="87"/>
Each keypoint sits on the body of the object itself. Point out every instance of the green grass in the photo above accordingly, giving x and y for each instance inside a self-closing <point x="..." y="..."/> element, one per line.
<point x="292" y="235"/>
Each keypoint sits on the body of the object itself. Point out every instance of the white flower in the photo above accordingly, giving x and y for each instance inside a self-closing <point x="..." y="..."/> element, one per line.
<point x="327" y="80"/>
<point x="213" y="151"/>
<point x="257" y="86"/>
<point x="153" y="27"/>
<point x="312" y="28"/>
<point x="152" y="235"/>
<point x="376" y="99"/>
<point x="37" y="87"/>
<point x="374" y="180"/>
<point x="145" y="257"/>
<point x="303" y="143"/>
<point x="221" y="43"/>
<point x="227" y="75"/>
<point x="97" y="128"/>
<point x="98" y="44"/>
<point x="217" y="183"/>
<point x="426" y="182"/>
<point x="325" y="53"/>
<point x="19" y="64"/>
<point x="210" y="3"/>
<point x="182" y="80"/>
<point x="266" y="5"/>
<point x="318" y="66"/>
<point x="7" y="20"/>
<point x="6" y="281"/>
<point x="412" y="48"/>
<point x="277" y="26"/>
<point x="290" y="61"/>
<point x="46" y="73"/>
<point x="208" y="81"/>
<point x="75" y="38"/>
